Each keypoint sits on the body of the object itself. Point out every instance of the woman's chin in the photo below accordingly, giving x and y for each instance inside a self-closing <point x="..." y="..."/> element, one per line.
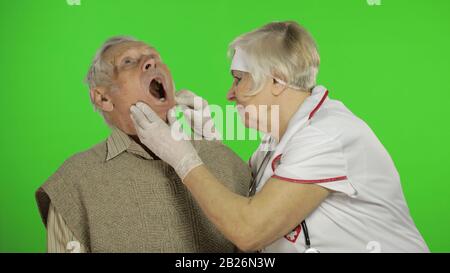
<point x="251" y="124"/>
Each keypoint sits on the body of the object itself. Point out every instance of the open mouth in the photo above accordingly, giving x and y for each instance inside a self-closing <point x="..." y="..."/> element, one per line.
<point x="156" y="88"/>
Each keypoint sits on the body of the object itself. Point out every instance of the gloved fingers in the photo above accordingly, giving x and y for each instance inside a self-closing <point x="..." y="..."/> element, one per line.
<point x="138" y="117"/>
<point x="139" y="130"/>
<point x="210" y="132"/>
<point x="196" y="122"/>
<point x="183" y="107"/>
<point x="189" y="116"/>
<point x="206" y="113"/>
<point x="195" y="118"/>
<point x="202" y="127"/>
<point x="148" y="112"/>
<point x="184" y="93"/>
<point x="190" y="99"/>
<point x="175" y="125"/>
<point x="171" y="115"/>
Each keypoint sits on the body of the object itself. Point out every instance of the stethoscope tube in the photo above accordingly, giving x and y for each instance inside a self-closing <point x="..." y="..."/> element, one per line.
<point x="305" y="232"/>
<point x="308" y="248"/>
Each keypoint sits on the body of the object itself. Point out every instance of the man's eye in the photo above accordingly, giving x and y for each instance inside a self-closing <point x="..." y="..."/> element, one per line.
<point x="237" y="80"/>
<point x="128" y="61"/>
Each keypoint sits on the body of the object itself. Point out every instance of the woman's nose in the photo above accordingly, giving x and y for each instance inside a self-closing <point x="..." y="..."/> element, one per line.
<point x="231" y="95"/>
<point x="150" y="63"/>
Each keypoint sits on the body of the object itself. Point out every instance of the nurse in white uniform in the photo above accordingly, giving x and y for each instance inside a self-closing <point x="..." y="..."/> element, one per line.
<point x="322" y="181"/>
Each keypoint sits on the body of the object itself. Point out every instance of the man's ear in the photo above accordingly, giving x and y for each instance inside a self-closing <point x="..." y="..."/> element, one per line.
<point x="277" y="88"/>
<point x="101" y="99"/>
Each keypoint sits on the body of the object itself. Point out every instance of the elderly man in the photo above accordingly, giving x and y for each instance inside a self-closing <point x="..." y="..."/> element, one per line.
<point x="118" y="196"/>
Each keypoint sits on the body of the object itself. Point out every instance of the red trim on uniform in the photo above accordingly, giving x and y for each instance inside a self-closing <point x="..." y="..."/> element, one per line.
<point x="274" y="161"/>
<point x="318" y="105"/>
<point x="305" y="181"/>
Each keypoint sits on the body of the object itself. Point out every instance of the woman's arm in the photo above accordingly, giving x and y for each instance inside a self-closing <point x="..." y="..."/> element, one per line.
<point x="253" y="223"/>
<point x="250" y="223"/>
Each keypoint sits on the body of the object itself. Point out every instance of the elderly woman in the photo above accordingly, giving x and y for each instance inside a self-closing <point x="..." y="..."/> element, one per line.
<point x="323" y="182"/>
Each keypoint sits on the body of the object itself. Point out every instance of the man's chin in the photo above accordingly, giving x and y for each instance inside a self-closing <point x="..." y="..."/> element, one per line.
<point x="162" y="113"/>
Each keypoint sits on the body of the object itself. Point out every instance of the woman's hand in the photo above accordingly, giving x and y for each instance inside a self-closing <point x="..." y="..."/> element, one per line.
<point x="166" y="141"/>
<point x="197" y="112"/>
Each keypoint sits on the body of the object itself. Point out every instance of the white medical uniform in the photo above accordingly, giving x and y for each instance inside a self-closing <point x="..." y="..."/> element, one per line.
<point x="325" y="144"/>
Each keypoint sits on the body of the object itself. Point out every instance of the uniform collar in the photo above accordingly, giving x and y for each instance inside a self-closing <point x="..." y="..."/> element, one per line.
<point x="311" y="104"/>
<point x="305" y="112"/>
<point x="299" y="120"/>
<point x="119" y="142"/>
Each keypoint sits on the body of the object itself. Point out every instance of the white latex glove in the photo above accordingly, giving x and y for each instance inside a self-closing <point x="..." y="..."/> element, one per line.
<point x="163" y="141"/>
<point x="197" y="113"/>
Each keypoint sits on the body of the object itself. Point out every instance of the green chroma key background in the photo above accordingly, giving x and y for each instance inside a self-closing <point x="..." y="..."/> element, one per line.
<point x="389" y="64"/>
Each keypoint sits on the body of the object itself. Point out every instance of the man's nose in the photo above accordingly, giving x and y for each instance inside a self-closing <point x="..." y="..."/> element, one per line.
<point x="231" y="95"/>
<point x="149" y="64"/>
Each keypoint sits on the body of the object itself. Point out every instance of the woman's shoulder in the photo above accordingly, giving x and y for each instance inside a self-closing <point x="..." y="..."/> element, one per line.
<point x="336" y="121"/>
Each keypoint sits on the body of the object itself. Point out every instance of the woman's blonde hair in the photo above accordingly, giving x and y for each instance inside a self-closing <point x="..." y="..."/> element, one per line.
<point x="283" y="50"/>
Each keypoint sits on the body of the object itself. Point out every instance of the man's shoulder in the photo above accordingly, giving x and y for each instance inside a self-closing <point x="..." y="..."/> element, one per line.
<point x="86" y="159"/>
<point x="96" y="153"/>
<point x="79" y="164"/>
<point x="64" y="180"/>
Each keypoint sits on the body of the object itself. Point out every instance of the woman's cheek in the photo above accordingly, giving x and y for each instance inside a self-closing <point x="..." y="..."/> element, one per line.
<point x="241" y="111"/>
<point x="248" y="115"/>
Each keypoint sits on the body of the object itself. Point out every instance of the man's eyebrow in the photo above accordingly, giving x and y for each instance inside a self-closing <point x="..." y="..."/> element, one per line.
<point x="154" y="55"/>
<point x="118" y="58"/>
<point x="126" y="54"/>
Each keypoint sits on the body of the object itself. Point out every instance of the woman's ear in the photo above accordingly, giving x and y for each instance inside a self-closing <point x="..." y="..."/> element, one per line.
<point x="277" y="88"/>
<point x="101" y="99"/>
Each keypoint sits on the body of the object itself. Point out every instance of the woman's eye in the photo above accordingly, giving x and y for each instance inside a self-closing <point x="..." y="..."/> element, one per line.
<point x="237" y="80"/>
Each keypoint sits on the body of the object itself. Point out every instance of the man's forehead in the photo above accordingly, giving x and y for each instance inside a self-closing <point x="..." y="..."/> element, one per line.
<point x="128" y="48"/>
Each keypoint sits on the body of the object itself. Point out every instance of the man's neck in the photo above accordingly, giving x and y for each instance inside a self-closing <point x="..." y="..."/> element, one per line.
<point x="138" y="141"/>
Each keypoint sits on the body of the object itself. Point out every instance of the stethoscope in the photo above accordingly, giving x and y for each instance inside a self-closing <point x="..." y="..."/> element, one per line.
<point x="252" y="190"/>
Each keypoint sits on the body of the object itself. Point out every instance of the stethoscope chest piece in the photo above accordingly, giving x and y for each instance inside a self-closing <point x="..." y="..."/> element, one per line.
<point x="311" y="250"/>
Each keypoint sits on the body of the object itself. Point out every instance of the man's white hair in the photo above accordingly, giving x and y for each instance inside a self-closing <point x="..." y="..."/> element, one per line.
<point x="100" y="72"/>
<point x="283" y="50"/>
